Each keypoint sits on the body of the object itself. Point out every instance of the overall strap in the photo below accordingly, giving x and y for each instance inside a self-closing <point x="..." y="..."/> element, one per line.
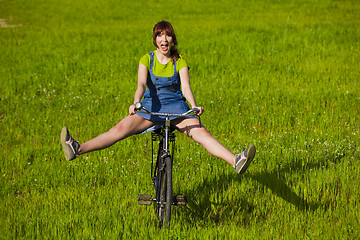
<point x="151" y="61"/>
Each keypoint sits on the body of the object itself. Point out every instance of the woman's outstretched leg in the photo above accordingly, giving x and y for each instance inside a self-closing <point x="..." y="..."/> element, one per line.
<point x="193" y="128"/>
<point x="128" y="126"/>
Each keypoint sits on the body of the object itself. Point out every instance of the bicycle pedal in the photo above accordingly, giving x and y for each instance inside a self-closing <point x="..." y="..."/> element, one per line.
<point x="180" y="200"/>
<point x="144" y="199"/>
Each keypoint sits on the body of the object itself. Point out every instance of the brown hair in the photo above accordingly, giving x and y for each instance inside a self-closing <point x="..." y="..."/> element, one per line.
<point x="166" y="27"/>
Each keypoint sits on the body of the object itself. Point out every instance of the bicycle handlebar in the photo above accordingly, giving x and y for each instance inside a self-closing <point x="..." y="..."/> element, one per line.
<point x="139" y="107"/>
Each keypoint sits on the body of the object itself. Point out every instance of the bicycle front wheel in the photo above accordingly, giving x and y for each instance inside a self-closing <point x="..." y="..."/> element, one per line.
<point x="166" y="194"/>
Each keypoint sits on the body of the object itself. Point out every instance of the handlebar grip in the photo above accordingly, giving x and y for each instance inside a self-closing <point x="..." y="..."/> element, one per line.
<point x="138" y="106"/>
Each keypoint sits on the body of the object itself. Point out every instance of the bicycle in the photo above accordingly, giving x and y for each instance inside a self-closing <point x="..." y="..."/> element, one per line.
<point x="162" y="172"/>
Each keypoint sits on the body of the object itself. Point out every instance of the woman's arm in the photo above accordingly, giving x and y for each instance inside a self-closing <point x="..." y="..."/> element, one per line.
<point x="186" y="89"/>
<point x="139" y="93"/>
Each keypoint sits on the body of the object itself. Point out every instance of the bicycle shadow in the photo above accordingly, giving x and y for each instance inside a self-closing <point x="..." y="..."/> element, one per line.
<point x="203" y="208"/>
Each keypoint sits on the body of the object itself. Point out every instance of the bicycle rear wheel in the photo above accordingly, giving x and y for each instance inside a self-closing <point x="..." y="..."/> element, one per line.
<point x="166" y="193"/>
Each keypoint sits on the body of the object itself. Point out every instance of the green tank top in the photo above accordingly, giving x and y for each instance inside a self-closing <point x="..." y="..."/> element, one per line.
<point x="162" y="70"/>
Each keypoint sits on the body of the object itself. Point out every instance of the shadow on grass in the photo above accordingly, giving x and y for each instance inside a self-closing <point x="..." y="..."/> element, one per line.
<point x="202" y="208"/>
<point x="278" y="186"/>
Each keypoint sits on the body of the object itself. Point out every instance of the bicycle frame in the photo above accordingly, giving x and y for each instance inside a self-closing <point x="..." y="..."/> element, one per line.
<point x="162" y="177"/>
<point x="165" y="137"/>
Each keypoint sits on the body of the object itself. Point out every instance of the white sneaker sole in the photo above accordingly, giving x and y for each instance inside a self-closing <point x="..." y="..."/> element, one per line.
<point x="69" y="155"/>
<point x="250" y="157"/>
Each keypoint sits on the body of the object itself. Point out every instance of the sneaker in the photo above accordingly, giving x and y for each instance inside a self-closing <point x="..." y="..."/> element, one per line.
<point x="69" y="145"/>
<point x="244" y="159"/>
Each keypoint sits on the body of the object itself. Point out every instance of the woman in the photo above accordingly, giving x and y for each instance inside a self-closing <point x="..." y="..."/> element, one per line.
<point x="165" y="75"/>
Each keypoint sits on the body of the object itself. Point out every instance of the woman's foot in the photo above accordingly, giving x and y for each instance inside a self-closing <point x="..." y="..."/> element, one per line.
<point x="243" y="160"/>
<point x="69" y="145"/>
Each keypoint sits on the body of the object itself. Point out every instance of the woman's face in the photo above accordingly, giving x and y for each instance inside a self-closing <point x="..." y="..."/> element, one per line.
<point x="163" y="43"/>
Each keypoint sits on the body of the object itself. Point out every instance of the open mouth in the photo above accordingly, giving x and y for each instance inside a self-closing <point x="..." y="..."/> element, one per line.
<point x="164" y="46"/>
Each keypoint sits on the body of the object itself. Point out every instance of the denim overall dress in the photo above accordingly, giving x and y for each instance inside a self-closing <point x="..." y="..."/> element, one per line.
<point x="163" y="95"/>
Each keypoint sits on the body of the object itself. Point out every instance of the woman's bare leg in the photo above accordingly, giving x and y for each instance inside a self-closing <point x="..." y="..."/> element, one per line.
<point x="192" y="128"/>
<point x="128" y="126"/>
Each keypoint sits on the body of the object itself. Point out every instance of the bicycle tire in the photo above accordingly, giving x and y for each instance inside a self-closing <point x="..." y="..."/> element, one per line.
<point x="166" y="193"/>
<point x="169" y="190"/>
<point x="162" y="197"/>
<point x="159" y="179"/>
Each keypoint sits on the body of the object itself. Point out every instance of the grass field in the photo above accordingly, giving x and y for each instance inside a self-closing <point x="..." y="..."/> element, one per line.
<point x="283" y="75"/>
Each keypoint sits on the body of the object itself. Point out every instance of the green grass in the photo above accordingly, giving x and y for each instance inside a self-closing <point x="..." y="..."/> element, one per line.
<point x="283" y="75"/>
